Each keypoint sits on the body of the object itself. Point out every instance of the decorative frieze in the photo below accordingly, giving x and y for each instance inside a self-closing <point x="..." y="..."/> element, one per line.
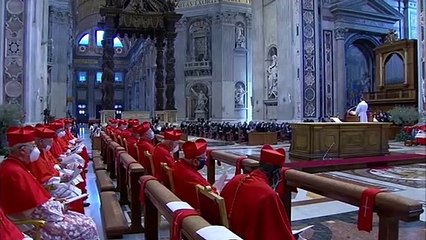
<point x="309" y="55"/>
<point x="59" y="15"/>
<point x="14" y="34"/>
<point x="340" y="33"/>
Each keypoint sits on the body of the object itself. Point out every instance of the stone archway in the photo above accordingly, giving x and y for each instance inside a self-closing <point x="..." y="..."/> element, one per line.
<point x="360" y="67"/>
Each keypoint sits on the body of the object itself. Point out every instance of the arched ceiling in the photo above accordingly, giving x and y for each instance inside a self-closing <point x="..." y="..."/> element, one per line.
<point x="87" y="14"/>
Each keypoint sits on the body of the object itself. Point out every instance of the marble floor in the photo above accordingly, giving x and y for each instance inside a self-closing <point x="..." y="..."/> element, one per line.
<point x="331" y="219"/>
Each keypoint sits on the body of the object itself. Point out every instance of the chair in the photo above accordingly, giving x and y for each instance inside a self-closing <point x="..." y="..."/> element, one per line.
<point x="125" y="145"/>
<point x="37" y="224"/>
<point x="212" y="206"/>
<point x="120" y="140"/>
<point x="151" y="162"/>
<point x="169" y="173"/>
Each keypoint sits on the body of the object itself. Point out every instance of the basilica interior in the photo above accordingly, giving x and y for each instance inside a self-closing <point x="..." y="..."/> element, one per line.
<point x="224" y="70"/>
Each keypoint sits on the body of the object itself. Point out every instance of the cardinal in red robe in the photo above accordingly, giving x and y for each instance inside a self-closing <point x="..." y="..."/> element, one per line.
<point x="185" y="171"/>
<point x="255" y="210"/>
<point x="8" y="230"/>
<point x="145" y="143"/>
<point x="49" y="176"/>
<point x="112" y="125"/>
<point x="22" y="197"/>
<point x="163" y="153"/>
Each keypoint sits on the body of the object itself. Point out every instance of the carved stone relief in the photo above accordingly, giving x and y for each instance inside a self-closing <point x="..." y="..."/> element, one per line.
<point x="328" y="72"/>
<point x="272" y="74"/>
<point x="309" y="53"/>
<point x="240" y="35"/>
<point x="199" y="49"/>
<point x="14" y="51"/>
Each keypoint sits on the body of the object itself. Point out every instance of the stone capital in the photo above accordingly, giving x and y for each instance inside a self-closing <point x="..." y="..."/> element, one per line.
<point x="340" y="33"/>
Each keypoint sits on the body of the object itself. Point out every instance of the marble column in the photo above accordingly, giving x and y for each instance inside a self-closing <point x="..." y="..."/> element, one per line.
<point x="258" y="69"/>
<point x="340" y="73"/>
<point x="159" y="72"/>
<point x="2" y="45"/>
<point x="170" y="69"/>
<point x="108" y="70"/>
<point x="180" y="56"/>
<point x="421" y="12"/>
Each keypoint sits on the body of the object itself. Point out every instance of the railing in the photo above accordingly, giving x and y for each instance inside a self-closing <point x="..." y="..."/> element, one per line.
<point x="392" y="95"/>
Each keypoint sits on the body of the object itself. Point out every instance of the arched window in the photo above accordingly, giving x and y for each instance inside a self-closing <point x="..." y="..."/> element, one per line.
<point x="84" y="41"/>
<point x="100" y="36"/>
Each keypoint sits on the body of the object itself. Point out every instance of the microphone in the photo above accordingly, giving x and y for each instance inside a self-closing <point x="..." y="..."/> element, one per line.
<point x="328" y="150"/>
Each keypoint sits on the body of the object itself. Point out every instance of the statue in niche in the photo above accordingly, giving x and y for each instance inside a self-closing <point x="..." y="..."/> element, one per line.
<point x="201" y="100"/>
<point x="240" y="92"/>
<point x="240" y="38"/>
<point x="272" y="76"/>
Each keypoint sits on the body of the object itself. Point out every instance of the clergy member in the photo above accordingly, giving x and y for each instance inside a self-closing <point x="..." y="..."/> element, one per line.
<point x="185" y="171"/>
<point x="163" y="152"/>
<point x="58" y="184"/>
<point x="361" y="111"/>
<point x="22" y="197"/>
<point x="255" y="210"/>
<point x="145" y="143"/>
<point x="8" y="230"/>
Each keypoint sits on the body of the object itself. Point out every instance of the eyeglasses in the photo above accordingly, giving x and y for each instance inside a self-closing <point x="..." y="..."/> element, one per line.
<point x="31" y="146"/>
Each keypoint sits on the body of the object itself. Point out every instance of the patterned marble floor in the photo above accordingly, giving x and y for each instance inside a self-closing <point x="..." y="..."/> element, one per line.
<point x="331" y="219"/>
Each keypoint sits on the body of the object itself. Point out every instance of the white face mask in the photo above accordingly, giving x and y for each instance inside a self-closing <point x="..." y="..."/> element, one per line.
<point x="48" y="147"/>
<point x="35" y="153"/>
<point x="149" y="135"/>
<point x="61" y="134"/>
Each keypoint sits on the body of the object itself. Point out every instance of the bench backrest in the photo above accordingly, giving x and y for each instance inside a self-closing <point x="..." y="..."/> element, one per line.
<point x="212" y="206"/>
<point x="151" y="162"/>
<point x="169" y="174"/>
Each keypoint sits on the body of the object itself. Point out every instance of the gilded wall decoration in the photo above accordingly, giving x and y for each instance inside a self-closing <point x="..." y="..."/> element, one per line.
<point x="14" y="34"/>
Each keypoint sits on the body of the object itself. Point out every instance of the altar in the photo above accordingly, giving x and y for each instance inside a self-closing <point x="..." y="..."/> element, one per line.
<point x="324" y="140"/>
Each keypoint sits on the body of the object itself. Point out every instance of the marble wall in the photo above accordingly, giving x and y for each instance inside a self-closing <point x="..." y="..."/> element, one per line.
<point x="60" y="47"/>
<point x="23" y="78"/>
<point x="213" y="64"/>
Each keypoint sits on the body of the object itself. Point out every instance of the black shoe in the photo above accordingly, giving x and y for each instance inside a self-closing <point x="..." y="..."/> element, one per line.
<point x="86" y="204"/>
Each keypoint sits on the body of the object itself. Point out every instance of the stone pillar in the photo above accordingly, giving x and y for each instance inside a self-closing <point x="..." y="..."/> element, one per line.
<point x="258" y="61"/>
<point x="159" y="72"/>
<point x="170" y="67"/>
<point x="58" y="58"/>
<point x="421" y="13"/>
<point x="340" y="73"/>
<point x="180" y="56"/>
<point x="108" y="70"/>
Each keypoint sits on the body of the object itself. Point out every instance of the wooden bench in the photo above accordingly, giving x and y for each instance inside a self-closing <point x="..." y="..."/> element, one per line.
<point x="157" y="196"/>
<point x="103" y="181"/>
<point x="114" y="221"/>
<point x="389" y="207"/>
<point x="98" y="164"/>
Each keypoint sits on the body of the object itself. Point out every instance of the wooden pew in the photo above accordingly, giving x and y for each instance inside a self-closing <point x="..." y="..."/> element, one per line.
<point x="129" y="172"/>
<point x="156" y="198"/>
<point x="114" y="221"/>
<point x="390" y="207"/>
<point x="113" y="149"/>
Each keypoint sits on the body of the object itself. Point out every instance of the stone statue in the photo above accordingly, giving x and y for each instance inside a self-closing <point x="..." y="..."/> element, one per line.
<point x="108" y="73"/>
<point x="141" y="6"/>
<point x="239" y="95"/>
<point x="201" y="100"/>
<point x="272" y="75"/>
<point x="391" y="37"/>
<point x="240" y="38"/>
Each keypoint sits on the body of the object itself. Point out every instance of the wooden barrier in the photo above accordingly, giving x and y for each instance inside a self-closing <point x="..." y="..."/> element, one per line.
<point x="260" y="138"/>
<point x="129" y="172"/>
<point x="157" y="196"/>
<point x="390" y="207"/>
<point x="113" y="149"/>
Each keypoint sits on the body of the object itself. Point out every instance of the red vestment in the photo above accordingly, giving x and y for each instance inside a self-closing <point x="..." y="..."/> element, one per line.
<point x="19" y="190"/>
<point x="68" y="135"/>
<point x="42" y="169"/>
<point x="49" y="156"/>
<point x="185" y="177"/>
<point x="56" y="149"/>
<point x="161" y="154"/>
<point x="144" y="145"/>
<point x="8" y="230"/>
<point x="255" y="210"/>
